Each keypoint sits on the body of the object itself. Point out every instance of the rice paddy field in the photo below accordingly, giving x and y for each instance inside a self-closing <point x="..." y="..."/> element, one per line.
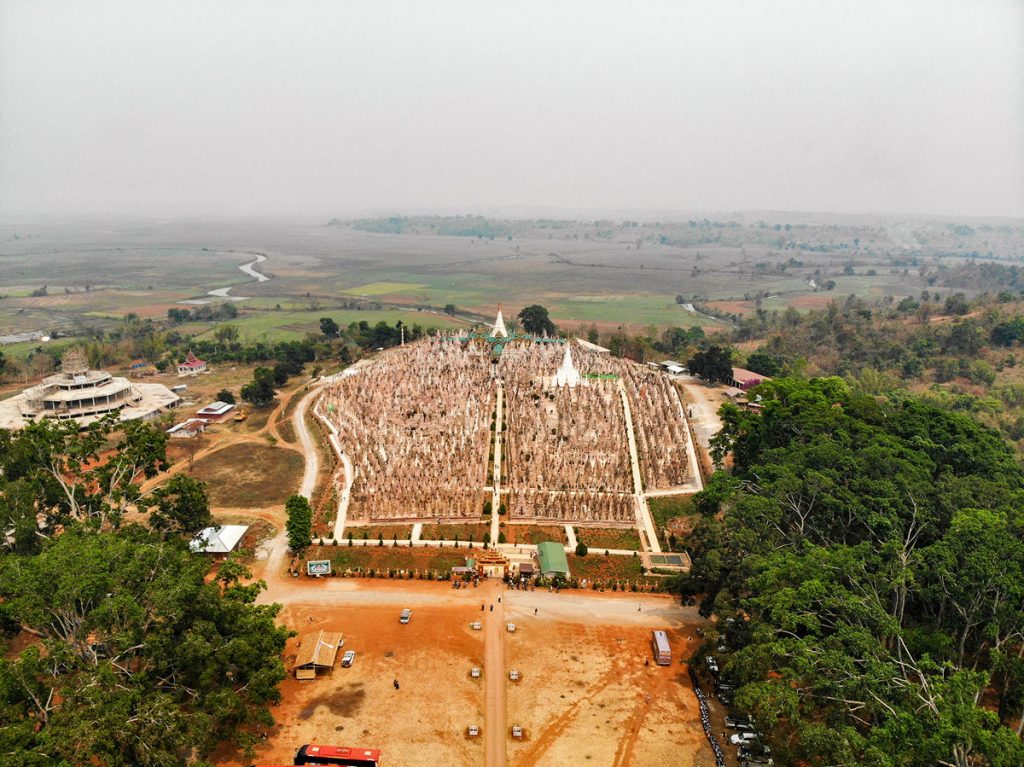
<point x="587" y="273"/>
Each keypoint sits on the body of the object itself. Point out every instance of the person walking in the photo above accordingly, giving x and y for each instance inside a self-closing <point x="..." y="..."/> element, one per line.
<point x="395" y="683"/>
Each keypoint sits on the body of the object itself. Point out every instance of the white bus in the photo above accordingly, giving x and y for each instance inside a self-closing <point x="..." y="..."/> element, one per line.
<point x="660" y="646"/>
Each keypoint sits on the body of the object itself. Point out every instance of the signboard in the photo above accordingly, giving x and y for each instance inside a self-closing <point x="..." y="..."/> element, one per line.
<point x="318" y="567"/>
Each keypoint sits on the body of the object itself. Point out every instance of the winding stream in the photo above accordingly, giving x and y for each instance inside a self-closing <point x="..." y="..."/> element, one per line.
<point x="247" y="268"/>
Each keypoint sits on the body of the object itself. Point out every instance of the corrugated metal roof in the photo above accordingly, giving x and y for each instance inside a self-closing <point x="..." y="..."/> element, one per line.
<point x="319" y="649"/>
<point x="552" y="558"/>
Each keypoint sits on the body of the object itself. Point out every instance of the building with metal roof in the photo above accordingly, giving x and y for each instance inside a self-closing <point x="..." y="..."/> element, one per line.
<point x="317" y="650"/>
<point x="552" y="560"/>
<point x="218" y="540"/>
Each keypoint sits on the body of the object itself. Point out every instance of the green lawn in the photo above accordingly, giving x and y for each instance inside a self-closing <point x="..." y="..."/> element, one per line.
<point x="665" y="508"/>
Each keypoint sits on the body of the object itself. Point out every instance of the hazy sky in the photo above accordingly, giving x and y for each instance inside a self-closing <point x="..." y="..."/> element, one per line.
<point x="335" y="107"/>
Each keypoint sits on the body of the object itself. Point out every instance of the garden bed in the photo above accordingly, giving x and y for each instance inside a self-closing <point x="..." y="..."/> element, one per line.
<point x="597" y="566"/>
<point x="600" y="538"/>
<point x="382" y="559"/>
<point x="534" y="534"/>
<point x="388" y="533"/>
<point x="474" y="531"/>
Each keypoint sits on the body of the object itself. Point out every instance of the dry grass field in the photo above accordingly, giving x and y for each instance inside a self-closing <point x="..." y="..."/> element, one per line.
<point x="249" y="475"/>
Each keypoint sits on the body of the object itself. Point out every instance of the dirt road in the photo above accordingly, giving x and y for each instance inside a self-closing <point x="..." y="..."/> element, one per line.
<point x="703" y="402"/>
<point x="494" y="677"/>
<point x="309" y="448"/>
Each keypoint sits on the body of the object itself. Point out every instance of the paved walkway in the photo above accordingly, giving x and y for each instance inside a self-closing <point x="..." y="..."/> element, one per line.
<point x="496" y="484"/>
<point x="643" y="514"/>
<point x="570" y="535"/>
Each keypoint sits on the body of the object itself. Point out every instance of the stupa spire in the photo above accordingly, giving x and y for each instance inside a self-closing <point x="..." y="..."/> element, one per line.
<point x="567" y="374"/>
<point x="499" y="326"/>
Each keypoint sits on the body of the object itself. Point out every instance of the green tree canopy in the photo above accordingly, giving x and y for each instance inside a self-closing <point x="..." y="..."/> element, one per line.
<point x="141" y="662"/>
<point x="180" y="506"/>
<point x="713" y="364"/>
<point x="872" y="552"/>
<point x="300" y="522"/>
<point x="260" y="392"/>
<point x="535" y="320"/>
<point x="329" y="327"/>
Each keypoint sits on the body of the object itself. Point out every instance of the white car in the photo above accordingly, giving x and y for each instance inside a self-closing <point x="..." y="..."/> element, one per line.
<point x="474" y="730"/>
<point x="513" y="675"/>
<point x="475" y="672"/>
<point x="517" y="731"/>
<point x="511" y="627"/>
<point x="476" y="625"/>
<point x="738" y="738"/>
<point x="712" y="664"/>
<point x="348" y="658"/>
<point x="405" y="616"/>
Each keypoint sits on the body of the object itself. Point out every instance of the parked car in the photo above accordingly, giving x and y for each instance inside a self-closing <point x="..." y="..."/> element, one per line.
<point x="406" y="615"/>
<point x="348" y="658"/>
<point x="517" y="731"/>
<point x="738" y="723"/>
<point x="712" y="664"/>
<point x="513" y="675"/>
<point x="475" y="672"/>
<point x="738" y="738"/>
<point x="511" y="627"/>
<point x="474" y="730"/>
<point x="476" y="625"/>
<point x="754" y="751"/>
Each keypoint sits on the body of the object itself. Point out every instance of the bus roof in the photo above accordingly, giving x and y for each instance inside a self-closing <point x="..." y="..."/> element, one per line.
<point x="342" y="752"/>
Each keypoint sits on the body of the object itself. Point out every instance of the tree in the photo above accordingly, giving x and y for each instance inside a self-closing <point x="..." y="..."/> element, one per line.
<point x="713" y="364"/>
<point x="957" y="304"/>
<point x="141" y="661"/>
<point x="180" y="506"/>
<point x="72" y="472"/>
<point x="225" y="395"/>
<point x="450" y="310"/>
<point x="329" y="327"/>
<point x="581" y="549"/>
<point x="300" y="523"/>
<point x="226" y="334"/>
<point x="178" y="315"/>
<point x="765" y="363"/>
<point x="260" y="392"/>
<point x="535" y="320"/>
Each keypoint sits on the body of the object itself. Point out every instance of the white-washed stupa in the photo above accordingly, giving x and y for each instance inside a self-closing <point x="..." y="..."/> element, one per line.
<point x="567" y="374"/>
<point x="499" y="326"/>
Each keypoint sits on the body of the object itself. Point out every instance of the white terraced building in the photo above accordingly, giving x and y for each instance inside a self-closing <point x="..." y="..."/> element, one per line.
<point x="84" y="395"/>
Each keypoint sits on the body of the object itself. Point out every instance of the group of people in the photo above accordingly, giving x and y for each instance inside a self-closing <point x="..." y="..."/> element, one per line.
<point x="705" y="720"/>
<point x="418" y="426"/>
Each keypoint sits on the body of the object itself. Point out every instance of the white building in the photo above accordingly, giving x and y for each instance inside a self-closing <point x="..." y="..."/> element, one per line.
<point x="84" y="395"/>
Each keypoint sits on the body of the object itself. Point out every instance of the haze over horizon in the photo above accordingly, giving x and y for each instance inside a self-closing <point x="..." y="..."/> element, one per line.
<point x="320" y="108"/>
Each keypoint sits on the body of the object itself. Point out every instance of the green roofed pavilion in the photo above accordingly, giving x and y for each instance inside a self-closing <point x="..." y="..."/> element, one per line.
<point x="551" y="557"/>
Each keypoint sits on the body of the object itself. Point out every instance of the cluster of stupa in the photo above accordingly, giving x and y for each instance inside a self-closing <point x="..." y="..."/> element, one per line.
<point x="418" y="425"/>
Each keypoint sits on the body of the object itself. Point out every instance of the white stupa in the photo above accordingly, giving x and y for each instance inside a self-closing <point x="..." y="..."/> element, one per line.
<point x="567" y="374"/>
<point x="499" y="326"/>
